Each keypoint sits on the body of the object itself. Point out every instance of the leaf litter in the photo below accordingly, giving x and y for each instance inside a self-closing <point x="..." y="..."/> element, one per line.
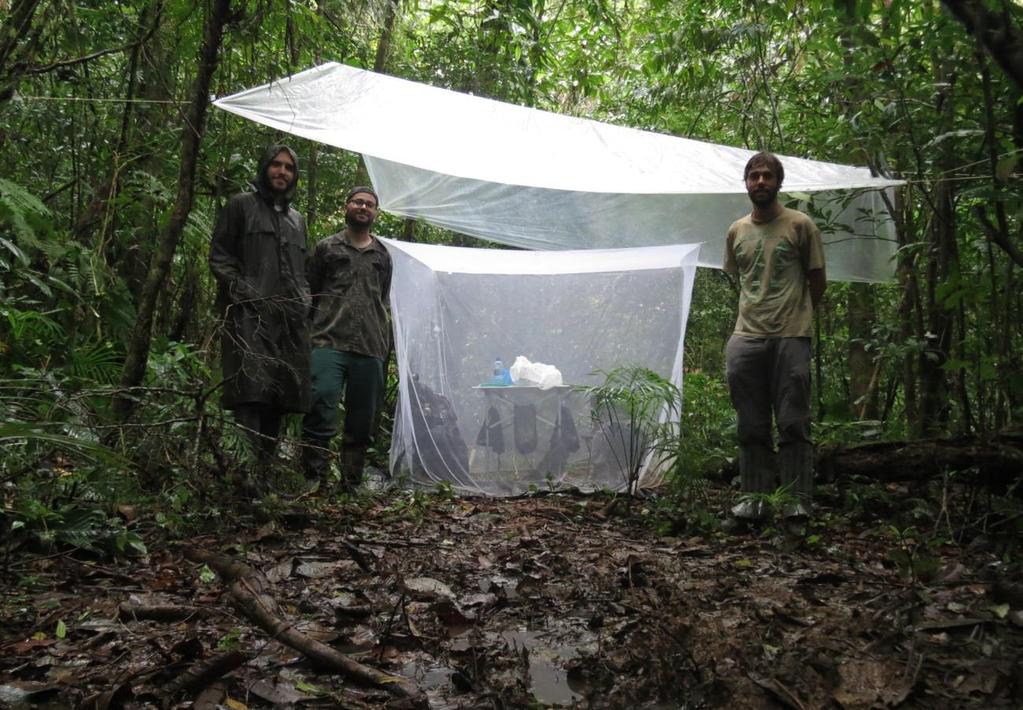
<point x="543" y="601"/>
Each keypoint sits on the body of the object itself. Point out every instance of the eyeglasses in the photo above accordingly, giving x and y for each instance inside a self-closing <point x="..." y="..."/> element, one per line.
<point x="363" y="203"/>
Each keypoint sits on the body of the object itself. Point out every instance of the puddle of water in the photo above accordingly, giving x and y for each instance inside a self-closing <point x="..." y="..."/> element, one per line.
<point x="547" y="675"/>
<point x="428" y="678"/>
<point x="434" y="680"/>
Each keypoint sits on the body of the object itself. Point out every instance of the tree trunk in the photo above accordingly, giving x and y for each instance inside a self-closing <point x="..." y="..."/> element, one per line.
<point x="312" y="171"/>
<point x="942" y="265"/>
<point x="386" y="36"/>
<point x="19" y="40"/>
<point x="934" y="385"/>
<point x="995" y="31"/>
<point x="98" y="222"/>
<point x="182" y="315"/>
<point x="408" y="231"/>
<point x="862" y="375"/>
<point x="379" y="65"/>
<point x="138" y="349"/>
<point x="860" y="306"/>
<point x="910" y="324"/>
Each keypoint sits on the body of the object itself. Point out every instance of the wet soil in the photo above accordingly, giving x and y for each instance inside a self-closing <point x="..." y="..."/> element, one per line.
<point x="557" y="600"/>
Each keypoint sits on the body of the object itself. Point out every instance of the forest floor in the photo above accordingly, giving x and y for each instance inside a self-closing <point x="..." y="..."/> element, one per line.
<point x="556" y="600"/>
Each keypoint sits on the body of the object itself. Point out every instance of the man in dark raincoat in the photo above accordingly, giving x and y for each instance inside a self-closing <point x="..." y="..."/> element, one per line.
<point x="258" y="256"/>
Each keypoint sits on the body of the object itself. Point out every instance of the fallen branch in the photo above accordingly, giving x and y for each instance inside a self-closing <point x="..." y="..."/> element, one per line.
<point x="994" y="462"/>
<point x="389" y="543"/>
<point x="196" y="677"/>
<point x="249" y="591"/>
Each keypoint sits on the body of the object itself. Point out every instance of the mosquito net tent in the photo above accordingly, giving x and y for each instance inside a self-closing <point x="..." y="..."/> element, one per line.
<point x="580" y="313"/>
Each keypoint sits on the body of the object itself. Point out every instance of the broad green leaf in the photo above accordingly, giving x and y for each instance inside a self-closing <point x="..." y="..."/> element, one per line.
<point x="309" y="688"/>
<point x="206" y="575"/>
<point x="18" y="253"/>
<point x="1000" y="610"/>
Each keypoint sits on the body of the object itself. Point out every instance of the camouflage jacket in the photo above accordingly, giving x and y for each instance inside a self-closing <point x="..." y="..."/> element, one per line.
<point x="350" y="289"/>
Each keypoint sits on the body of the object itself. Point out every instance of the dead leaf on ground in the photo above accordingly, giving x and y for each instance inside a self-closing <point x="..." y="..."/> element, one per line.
<point x="865" y="684"/>
<point x="428" y="589"/>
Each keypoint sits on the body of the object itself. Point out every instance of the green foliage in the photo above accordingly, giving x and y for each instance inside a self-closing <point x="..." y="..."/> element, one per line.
<point x="75" y="524"/>
<point x="706" y="440"/>
<point x="231" y="641"/>
<point x="22" y="438"/>
<point x="636" y="411"/>
<point x="98" y="363"/>
<point x="27" y="217"/>
<point x="679" y="513"/>
<point x="444" y="490"/>
<point x="412" y="504"/>
<point x="207" y="575"/>
<point x="913" y="554"/>
<point x="30" y="334"/>
<point x="775" y="500"/>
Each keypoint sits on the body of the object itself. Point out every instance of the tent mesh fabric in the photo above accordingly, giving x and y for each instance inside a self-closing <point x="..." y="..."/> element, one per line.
<point x="458" y="310"/>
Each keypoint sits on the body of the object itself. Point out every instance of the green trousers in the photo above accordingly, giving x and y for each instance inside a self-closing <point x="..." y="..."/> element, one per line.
<point x="356" y="379"/>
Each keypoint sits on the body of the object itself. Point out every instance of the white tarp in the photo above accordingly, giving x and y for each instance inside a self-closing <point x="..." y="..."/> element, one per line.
<point x="457" y="310"/>
<point x="539" y="180"/>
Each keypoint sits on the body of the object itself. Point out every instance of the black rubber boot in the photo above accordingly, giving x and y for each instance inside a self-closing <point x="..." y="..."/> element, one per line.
<point x="256" y="482"/>
<point x="316" y="456"/>
<point x="353" y="460"/>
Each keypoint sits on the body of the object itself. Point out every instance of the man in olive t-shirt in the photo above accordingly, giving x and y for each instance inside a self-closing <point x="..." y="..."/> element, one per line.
<point x="778" y="257"/>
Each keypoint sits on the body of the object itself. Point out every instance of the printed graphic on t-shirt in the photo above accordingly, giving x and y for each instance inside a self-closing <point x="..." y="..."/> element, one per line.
<point x="753" y="268"/>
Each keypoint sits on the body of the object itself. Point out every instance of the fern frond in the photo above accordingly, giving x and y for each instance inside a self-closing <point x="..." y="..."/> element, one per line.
<point x="20" y="207"/>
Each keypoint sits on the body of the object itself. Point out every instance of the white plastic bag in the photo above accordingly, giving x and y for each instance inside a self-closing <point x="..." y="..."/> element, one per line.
<point x="537" y="374"/>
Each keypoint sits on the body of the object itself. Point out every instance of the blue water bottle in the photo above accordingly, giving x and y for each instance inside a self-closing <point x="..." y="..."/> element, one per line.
<point x="498" y="378"/>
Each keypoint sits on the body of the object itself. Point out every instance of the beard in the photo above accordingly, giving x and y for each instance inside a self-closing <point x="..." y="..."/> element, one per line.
<point x="763" y="198"/>
<point x="358" y="221"/>
<point x="277" y="191"/>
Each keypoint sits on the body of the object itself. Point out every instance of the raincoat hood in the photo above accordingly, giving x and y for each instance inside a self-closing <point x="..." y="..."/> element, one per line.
<point x="263" y="186"/>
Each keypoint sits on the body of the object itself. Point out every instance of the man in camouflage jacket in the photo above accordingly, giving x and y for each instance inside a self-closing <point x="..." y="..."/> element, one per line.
<point x="350" y="279"/>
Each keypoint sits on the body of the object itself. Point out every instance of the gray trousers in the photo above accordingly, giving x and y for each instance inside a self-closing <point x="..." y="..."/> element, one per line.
<point x="770" y="376"/>
<point x="769" y="379"/>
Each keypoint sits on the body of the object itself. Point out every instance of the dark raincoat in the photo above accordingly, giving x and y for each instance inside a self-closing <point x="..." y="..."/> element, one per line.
<point x="258" y="256"/>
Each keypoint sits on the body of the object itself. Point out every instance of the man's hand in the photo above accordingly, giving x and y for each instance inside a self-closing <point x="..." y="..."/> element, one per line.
<point x="818" y="283"/>
<point x="241" y="292"/>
